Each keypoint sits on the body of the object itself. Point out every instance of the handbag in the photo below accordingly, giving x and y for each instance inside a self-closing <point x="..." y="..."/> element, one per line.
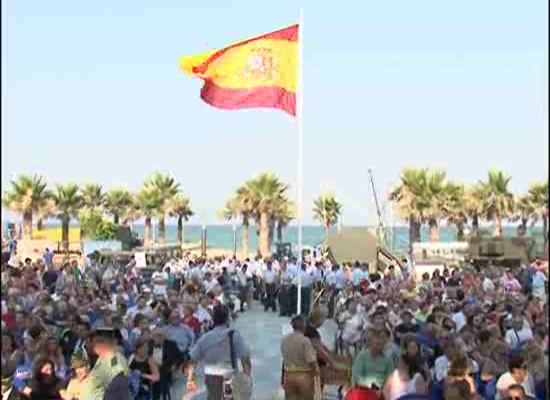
<point x="241" y="384"/>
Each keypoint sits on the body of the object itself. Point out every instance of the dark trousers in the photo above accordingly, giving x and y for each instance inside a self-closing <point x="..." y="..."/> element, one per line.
<point x="256" y="288"/>
<point x="293" y="302"/>
<point x="306" y="300"/>
<point x="243" y="296"/>
<point x="332" y="303"/>
<point x="269" y="301"/>
<point x="214" y="387"/>
<point x="284" y="301"/>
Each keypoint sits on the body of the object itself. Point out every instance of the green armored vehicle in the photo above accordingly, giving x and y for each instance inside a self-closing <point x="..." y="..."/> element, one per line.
<point x="502" y="251"/>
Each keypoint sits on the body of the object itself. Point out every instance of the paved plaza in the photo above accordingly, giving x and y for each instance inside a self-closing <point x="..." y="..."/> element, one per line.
<point x="263" y="332"/>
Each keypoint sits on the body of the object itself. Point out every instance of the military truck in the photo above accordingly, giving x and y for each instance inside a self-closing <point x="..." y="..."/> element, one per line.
<point x="502" y="251"/>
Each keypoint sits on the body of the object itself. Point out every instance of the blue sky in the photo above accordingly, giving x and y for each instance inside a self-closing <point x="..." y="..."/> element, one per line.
<point x="91" y="92"/>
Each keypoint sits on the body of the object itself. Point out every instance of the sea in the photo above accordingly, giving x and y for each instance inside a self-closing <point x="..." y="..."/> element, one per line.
<point x="221" y="236"/>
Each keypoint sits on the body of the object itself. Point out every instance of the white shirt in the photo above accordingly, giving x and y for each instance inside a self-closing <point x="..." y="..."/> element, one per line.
<point x="251" y="269"/>
<point x="210" y="286"/>
<point x="488" y="285"/>
<point x="292" y="270"/>
<point x="306" y="277"/>
<point x="523" y="335"/>
<point x="399" y="388"/>
<point x="202" y="315"/>
<point x="339" y="279"/>
<point x="314" y="272"/>
<point x="158" y="288"/>
<point x="269" y="276"/>
<point x="506" y="380"/>
<point x="460" y="320"/>
<point x="133" y="311"/>
<point x="441" y="367"/>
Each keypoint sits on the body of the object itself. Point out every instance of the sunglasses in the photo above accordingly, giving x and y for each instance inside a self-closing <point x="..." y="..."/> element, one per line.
<point x="514" y="398"/>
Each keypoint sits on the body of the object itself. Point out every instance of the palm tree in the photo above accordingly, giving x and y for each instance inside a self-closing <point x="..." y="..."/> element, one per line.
<point x="474" y="197"/>
<point x="266" y="191"/>
<point x="93" y="197"/>
<point x="118" y="203"/>
<point x="27" y="195"/>
<point x="147" y="204"/>
<point x="166" y="189"/>
<point x="524" y="210"/>
<point x="47" y="210"/>
<point x="93" y="200"/>
<point x="68" y="202"/>
<point x="410" y="199"/>
<point x="499" y="201"/>
<point x="327" y="210"/>
<point x="538" y="198"/>
<point x="435" y="195"/>
<point x="180" y="207"/>
<point x="283" y="215"/>
<point x="456" y="212"/>
<point x="241" y="205"/>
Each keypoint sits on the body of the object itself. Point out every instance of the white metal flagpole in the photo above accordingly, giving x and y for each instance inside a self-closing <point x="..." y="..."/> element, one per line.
<point x="300" y="178"/>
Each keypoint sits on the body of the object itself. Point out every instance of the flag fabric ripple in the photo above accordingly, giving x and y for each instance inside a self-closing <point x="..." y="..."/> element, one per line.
<point x="258" y="72"/>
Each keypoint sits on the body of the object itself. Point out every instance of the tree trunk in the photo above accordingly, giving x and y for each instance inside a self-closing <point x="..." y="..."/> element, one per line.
<point x="162" y="230"/>
<point x="147" y="232"/>
<point x="116" y="219"/>
<point x="180" y="230"/>
<point x="460" y="232"/>
<point x="27" y="225"/>
<point x="271" y="233"/>
<point x="434" y="231"/>
<point x="280" y="232"/>
<point x="264" y="235"/>
<point x="414" y="234"/>
<point x="40" y="224"/>
<point x="498" y="226"/>
<point x="245" y="237"/>
<point x="475" y="224"/>
<point x="65" y="233"/>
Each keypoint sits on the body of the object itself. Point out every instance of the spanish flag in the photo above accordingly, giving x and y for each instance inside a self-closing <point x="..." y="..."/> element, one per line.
<point x="257" y="72"/>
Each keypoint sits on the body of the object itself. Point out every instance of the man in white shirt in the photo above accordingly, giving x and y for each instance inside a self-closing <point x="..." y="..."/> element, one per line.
<point x="459" y="318"/>
<point x="243" y="287"/>
<point x="270" y="282"/>
<point x="140" y="308"/>
<point x="518" y="334"/>
<point x="210" y="284"/>
<point x="539" y="284"/>
<point x="307" y="279"/>
<point x="488" y="285"/>
<point x="517" y="374"/>
<point x="160" y="282"/>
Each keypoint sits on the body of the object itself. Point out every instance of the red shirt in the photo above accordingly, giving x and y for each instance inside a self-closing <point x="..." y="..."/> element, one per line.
<point x="9" y="319"/>
<point x="193" y="323"/>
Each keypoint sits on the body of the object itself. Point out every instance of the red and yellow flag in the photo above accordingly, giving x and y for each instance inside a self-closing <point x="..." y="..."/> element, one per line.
<point x="257" y="72"/>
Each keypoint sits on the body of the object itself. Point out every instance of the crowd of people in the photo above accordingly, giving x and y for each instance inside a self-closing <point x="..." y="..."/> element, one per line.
<point x="84" y="331"/>
<point x="457" y="333"/>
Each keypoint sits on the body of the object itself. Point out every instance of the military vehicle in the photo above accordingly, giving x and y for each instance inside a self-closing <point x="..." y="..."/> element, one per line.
<point x="360" y="244"/>
<point x="502" y="251"/>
